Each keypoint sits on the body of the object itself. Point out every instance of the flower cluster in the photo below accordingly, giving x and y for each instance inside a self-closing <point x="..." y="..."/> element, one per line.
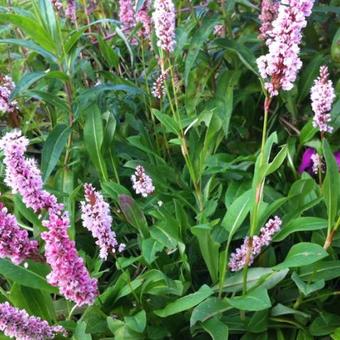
<point x="96" y="217"/>
<point x="58" y="5"/>
<point x="158" y="88"/>
<point x="322" y="96"/>
<point x="142" y="16"/>
<point x="68" y="270"/>
<point x="71" y="10"/>
<point x="219" y="31"/>
<point x="311" y="162"/>
<point x="126" y="15"/>
<point x="142" y="183"/>
<point x="280" y="66"/>
<point x="239" y="259"/>
<point x="17" y="323"/>
<point x="6" y="88"/>
<point x="164" y="18"/>
<point x="269" y="9"/>
<point x="23" y="176"/>
<point x="14" y="241"/>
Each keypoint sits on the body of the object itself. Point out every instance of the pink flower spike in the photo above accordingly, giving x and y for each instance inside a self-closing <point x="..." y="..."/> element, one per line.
<point x="96" y="217"/>
<point x="279" y="68"/>
<point x="71" y="10"/>
<point x="143" y="17"/>
<point x="17" y="323"/>
<point x="141" y="182"/>
<point x="322" y="96"/>
<point x="238" y="259"/>
<point x="164" y="19"/>
<point x="68" y="270"/>
<point x="126" y="16"/>
<point x="7" y="86"/>
<point x="14" y="241"/>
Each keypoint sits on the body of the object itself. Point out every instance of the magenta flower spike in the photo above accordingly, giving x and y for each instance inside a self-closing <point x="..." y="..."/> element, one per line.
<point x="68" y="269"/>
<point x="143" y="17"/>
<point x="238" y="259"/>
<point x="279" y="68"/>
<point x="322" y="96"/>
<point x="97" y="218"/>
<point x="269" y="10"/>
<point x="126" y="15"/>
<point x="164" y="19"/>
<point x="141" y="182"/>
<point x="71" y="10"/>
<point x="17" y="323"/>
<point x="14" y="241"/>
<point x="7" y="86"/>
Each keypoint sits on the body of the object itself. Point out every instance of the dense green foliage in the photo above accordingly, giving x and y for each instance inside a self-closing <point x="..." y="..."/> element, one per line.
<point x="85" y="103"/>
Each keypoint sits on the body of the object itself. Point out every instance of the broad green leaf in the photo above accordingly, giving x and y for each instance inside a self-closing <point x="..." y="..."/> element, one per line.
<point x="254" y="300"/>
<point x="324" y="324"/>
<point x="150" y="248"/>
<point x="133" y="214"/>
<point x="216" y="329"/>
<point x="302" y="254"/>
<point x="93" y="137"/>
<point x="208" y="309"/>
<point x="80" y="332"/>
<point x="169" y="123"/>
<point x="307" y="132"/>
<point x="24" y="277"/>
<point x="196" y="44"/>
<point x="280" y="309"/>
<point x="53" y="148"/>
<point x="307" y="288"/>
<point x="277" y="161"/>
<point x="323" y="270"/>
<point x="136" y="322"/>
<point x="185" y="303"/>
<point x="300" y="224"/>
<point x="331" y="184"/>
<point x="209" y="248"/>
<point x="265" y="277"/>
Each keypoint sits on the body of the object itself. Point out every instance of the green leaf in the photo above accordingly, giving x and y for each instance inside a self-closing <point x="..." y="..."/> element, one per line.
<point x="277" y="161"/>
<point x="93" y="137"/>
<point x="133" y="214"/>
<point x="167" y="121"/>
<point x="209" y="248"/>
<point x="331" y="184"/>
<point x="280" y="309"/>
<point x="216" y="329"/>
<point x="53" y="148"/>
<point x="150" y="248"/>
<point x="307" y="289"/>
<point x="196" y="43"/>
<point x="323" y="270"/>
<point x="324" y="324"/>
<point x="300" y="224"/>
<point x="302" y="254"/>
<point x="185" y="303"/>
<point x="80" y="332"/>
<point x="254" y="300"/>
<point x="24" y="277"/>
<point x="208" y="309"/>
<point x="265" y="277"/>
<point x="136" y="322"/>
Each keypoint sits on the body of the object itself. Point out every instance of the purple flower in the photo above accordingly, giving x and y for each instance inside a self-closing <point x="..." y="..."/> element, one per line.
<point x="97" y="218"/>
<point x="23" y="176"/>
<point x="58" y="5"/>
<point x="269" y="10"/>
<point x="71" y="10"/>
<point x="14" y="241"/>
<point x="164" y="18"/>
<point x="142" y="183"/>
<point x="280" y="66"/>
<point x="17" y="323"/>
<point x="6" y="88"/>
<point x="238" y="259"/>
<point x="312" y="162"/>
<point x="127" y="15"/>
<point x="144" y="18"/>
<point x="68" y="270"/>
<point x="158" y="88"/>
<point x="322" y="96"/>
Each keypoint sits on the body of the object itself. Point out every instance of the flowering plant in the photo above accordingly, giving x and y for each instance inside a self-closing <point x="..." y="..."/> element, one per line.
<point x="169" y="169"/>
